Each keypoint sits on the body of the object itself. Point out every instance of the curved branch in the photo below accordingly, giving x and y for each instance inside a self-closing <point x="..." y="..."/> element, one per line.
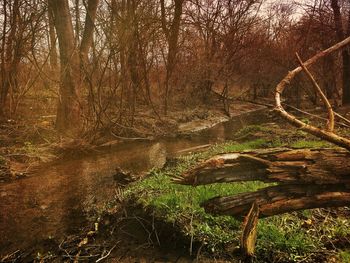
<point x="323" y="134"/>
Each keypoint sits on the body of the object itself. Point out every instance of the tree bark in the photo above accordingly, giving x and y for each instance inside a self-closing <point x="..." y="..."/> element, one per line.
<point x="327" y="166"/>
<point x="308" y="179"/>
<point x="345" y="53"/>
<point x="68" y="119"/>
<point x="87" y="39"/>
<point x="172" y="36"/>
<point x="281" y="199"/>
<point x="10" y="57"/>
<point x="249" y="233"/>
<point x="52" y="36"/>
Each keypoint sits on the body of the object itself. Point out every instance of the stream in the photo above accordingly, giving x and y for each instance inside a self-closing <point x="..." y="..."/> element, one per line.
<point x="55" y="201"/>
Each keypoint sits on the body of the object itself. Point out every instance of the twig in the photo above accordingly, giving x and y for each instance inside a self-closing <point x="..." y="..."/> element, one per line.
<point x="9" y="256"/>
<point x="108" y="253"/>
<point x="342" y="117"/>
<point x="131" y="139"/>
<point x="155" y="230"/>
<point x="191" y="243"/>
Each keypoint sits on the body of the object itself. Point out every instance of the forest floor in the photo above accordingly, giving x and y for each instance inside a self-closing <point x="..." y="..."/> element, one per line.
<point x="155" y="220"/>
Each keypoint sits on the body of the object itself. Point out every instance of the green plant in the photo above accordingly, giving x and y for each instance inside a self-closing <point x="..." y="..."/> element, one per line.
<point x="290" y="236"/>
<point x="309" y="144"/>
<point x="344" y="256"/>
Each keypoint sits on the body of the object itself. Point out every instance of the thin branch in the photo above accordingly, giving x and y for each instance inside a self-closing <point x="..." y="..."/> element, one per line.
<point x="330" y="124"/>
<point x="107" y="255"/>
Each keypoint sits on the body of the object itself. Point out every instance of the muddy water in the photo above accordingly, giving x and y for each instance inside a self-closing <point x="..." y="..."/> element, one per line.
<point x="54" y="202"/>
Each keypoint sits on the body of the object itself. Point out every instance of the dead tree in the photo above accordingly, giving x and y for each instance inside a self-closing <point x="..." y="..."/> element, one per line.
<point x="305" y="178"/>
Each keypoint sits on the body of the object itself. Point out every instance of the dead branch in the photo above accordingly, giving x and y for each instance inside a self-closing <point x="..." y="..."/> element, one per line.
<point x="330" y="124"/>
<point x="249" y="233"/>
<point x="323" y="134"/>
<point x="326" y="166"/>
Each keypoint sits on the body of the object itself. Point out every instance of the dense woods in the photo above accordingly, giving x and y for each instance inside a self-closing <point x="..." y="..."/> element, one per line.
<point x="105" y="60"/>
<point x="93" y="86"/>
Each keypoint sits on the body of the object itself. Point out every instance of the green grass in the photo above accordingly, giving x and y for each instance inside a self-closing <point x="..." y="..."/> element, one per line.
<point x="344" y="256"/>
<point x="285" y="237"/>
<point x="301" y="144"/>
<point x="180" y="204"/>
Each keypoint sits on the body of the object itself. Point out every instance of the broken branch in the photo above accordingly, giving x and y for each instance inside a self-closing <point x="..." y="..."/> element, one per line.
<point x="330" y="124"/>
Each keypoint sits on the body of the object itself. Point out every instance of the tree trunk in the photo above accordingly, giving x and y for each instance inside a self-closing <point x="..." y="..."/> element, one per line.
<point x="345" y="53"/>
<point x="132" y="61"/>
<point x="87" y="39"/>
<point x="172" y="36"/>
<point x="68" y="112"/>
<point x="52" y="36"/>
<point x="281" y="199"/>
<point x="273" y="166"/>
<point x="10" y="57"/>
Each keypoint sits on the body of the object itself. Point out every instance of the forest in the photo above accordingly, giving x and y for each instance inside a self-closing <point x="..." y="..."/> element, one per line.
<point x="174" y="131"/>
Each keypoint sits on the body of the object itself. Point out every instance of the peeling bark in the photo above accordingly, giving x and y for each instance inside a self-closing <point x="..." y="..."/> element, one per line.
<point x="308" y="179"/>
<point x="326" y="166"/>
<point x="280" y="199"/>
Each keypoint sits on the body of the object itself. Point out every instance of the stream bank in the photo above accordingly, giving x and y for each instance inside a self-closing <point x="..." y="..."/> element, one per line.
<point x="59" y="199"/>
<point x="26" y="148"/>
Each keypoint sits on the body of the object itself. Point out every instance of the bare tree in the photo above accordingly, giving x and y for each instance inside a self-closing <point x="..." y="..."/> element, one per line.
<point x="172" y="35"/>
<point x="69" y="110"/>
<point x="69" y="106"/>
<point x="87" y="38"/>
<point x="10" y="56"/>
<point x="345" y="53"/>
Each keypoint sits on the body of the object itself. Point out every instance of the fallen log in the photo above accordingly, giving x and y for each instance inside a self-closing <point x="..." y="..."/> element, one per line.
<point x="280" y="199"/>
<point x="322" y="166"/>
<point x="308" y="179"/>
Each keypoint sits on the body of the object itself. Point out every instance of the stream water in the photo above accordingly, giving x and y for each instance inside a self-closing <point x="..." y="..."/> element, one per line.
<point x="54" y="201"/>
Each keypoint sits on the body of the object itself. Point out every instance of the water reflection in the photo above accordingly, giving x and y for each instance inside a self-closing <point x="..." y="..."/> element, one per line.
<point x="54" y="201"/>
